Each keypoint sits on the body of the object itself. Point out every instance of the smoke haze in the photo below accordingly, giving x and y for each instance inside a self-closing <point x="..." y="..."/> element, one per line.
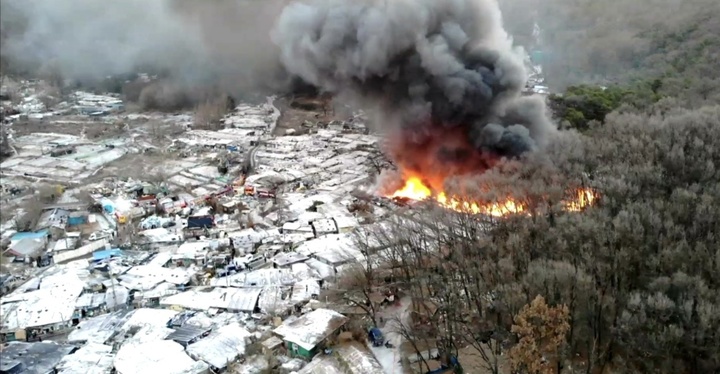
<point x="224" y="42"/>
<point x="444" y="71"/>
<point x="443" y="75"/>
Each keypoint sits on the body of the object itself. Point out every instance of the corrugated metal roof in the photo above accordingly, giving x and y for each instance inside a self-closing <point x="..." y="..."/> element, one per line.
<point x="40" y="357"/>
<point x="186" y="334"/>
<point x="27" y="247"/>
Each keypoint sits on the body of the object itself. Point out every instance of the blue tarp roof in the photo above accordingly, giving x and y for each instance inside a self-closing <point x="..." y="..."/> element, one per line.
<point x="29" y="235"/>
<point x="107" y="253"/>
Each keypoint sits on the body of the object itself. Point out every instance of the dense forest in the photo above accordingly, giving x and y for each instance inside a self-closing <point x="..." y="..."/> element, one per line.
<point x="644" y="56"/>
<point x="629" y="285"/>
<point x="637" y="272"/>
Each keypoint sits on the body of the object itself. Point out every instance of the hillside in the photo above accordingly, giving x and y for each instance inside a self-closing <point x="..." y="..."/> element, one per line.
<point x="617" y="41"/>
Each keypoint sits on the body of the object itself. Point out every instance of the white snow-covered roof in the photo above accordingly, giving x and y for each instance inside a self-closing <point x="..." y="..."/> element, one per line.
<point x="359" y="359"/>
<point x="288" y="258"/>
<point x="271" y="300"/>
<point x="53" y="302"/>
<point x="98" y="329"/>
<point x="159" y="356"/>
<point x="257" y="278"/>
<point x="333" y="249"/>
<point x="326" y="242"/>
<point x="351" y="358"/>
<point x="297" y="226"/>
<point x="324" y="226"/>
<point x="147" y="316"/>
<point x="304" y="290"/>
<point x="253" y="236"/>
<point x="230" y="298"/>
<point x="92" y="358"/>
<point x="323" y="270"/>
<point x="161" y="259"/>
<point x="160" y="274"/>
<point x="310" y="329"/>
<point x="90" y="300"/>
<point x="191" y="248"/>
<point x="303" y="271"/>
<point x="343" y="221"/>
<point x="221" y="346"/>
<point x="322" y="365"/>
<point x="116" y="296"/>
<point x="149" y="333"/>
<point x="161" y="290"/>
<point x="301" y="203"/>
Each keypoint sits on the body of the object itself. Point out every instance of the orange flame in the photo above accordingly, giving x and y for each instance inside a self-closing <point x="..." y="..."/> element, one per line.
<point x="583" y="198"/>
<point x="415" y="189"/>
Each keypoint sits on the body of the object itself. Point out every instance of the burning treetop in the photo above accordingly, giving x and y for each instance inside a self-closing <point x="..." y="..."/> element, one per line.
<point x="415" y="189"/>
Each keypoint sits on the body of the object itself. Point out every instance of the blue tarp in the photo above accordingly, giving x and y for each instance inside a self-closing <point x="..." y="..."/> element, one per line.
<point x="108" y="205"/>
<point x="29" y="235"/>
<point x="108" y="253"/>
<point x="76" y="220"/>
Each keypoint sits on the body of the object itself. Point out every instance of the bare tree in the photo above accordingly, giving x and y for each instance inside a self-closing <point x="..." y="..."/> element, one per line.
<point x="460" y="284"/>
<point x="379" y="162"/>
<point x="32" y="209"/>
<point x="209" y="113"/>
<point x="85" y="197"/>
<point x="48" y="194"/>
<point x="357" y="287"/>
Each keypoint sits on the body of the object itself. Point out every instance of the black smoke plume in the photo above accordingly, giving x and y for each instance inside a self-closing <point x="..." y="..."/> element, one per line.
<point x="444" y="71"/>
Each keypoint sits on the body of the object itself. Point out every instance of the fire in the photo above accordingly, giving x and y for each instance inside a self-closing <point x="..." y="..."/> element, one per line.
<point x="415" y="189"/>
<point x="584" y="197"/>
<point x="493" y="209"/>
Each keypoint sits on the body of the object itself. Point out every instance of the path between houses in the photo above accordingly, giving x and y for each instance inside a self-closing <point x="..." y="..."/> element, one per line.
<point x="390" y="358"/>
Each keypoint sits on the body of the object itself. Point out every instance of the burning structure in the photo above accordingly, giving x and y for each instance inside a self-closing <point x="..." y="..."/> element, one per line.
<point x="442" y="78"/>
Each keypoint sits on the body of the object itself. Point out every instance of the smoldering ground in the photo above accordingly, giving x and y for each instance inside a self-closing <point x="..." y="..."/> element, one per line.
<point x="444" y="76"/>
<point x="196" y="43"/>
